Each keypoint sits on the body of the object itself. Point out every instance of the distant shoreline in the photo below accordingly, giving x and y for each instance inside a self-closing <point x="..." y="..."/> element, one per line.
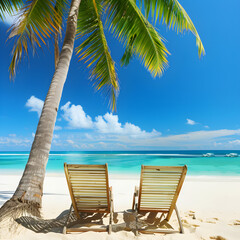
<point x="134" y="176"/>
<point x="126" y="163"/>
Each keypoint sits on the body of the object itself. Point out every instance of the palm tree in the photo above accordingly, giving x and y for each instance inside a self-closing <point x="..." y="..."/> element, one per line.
<point x="39" y="20"/>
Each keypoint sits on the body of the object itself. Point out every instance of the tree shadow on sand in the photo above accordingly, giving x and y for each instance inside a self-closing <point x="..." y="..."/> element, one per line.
<point x="122" y="221"/>
<point x="39" y="225"/>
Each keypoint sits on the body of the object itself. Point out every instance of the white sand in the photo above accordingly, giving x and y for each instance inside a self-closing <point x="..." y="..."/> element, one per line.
<point x="215" y="201"/>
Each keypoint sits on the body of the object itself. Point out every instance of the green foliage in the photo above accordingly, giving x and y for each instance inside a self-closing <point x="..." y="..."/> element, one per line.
<point x="128" y="52"/>
<point x="40" y="19"/>
<point x="129" y="25"/>
<point x="8" y="6"/>
<point x="37" y="20"/>
<point x="60" y="8"/>
<point x="173" y="15"/>
<point x="94" y="49"/>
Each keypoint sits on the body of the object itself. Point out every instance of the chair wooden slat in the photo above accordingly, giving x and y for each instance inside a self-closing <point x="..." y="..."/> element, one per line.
<point x="84" y="185"/>
<point x="88" y="182"/>
<point x="162" y="188"/>
<point x="92" y="188"/>
<point x="159" y="183"/>
<point x="159" y="190"/>
<point x="156" y="198"/>
<point x="170" y="169"/>
<point x="88" y="177"/>
<point x="91" y="205"/>
<point x="86" y="171"/>
<point x="87" y="200"/>
<point x="89" y="190"/>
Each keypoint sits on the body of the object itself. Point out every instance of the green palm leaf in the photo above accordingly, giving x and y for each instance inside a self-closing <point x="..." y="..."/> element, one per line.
<point x="129" y="25"/>
<point x="94" y="49"/>
<point x="172" y="14"/>
<point x="9" y="6"/>
<point x="60" y="7"/>
<point x="37" y="21"/>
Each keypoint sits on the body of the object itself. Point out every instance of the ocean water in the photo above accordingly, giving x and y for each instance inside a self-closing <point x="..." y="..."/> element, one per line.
<point x="128" y="162"/>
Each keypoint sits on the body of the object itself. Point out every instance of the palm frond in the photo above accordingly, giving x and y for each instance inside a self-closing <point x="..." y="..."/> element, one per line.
<point x="128" y="51"/>
<point x="128" y="24"/>
<point x="173" y="15"/>
<point x="8" y="7"/>
<point x="94" y="49"/>
<point x="36" y="22"/>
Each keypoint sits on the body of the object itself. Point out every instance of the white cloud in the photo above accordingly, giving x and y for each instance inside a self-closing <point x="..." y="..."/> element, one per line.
<point x="109" y="124"/>
<point x="55" y="136"/>
<point x="202" y="135"/>
<point x="106" y="124"/>
<point x="35" y="105"/>
<point x="206" y="126"/>
<point x="204" y="139"/>
<point x="76" y="117"/>
<point x="106" y="131"/>
<point x="216" y="144"/>
<point x="191" y="122"/>
<point x="103" y="144"/>
<point x="56" y="142"/>
<point x="12" y="135"/>
<point x="86" y="146"/>
<point x="56" y="128"/>
<point x="70" y="141"/>
<point x="9" y="19"/>
<point x="73" y="144"/>
<point x="87" y="135"/>
<point x="13" y="140"/>
<point x="235" y="142"/>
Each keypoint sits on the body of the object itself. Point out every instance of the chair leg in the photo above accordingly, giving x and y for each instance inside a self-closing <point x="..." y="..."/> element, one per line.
<point x="179" y="220"/>
<point x="135" y="194"/>
<point x="136" y="212"/>
<point x="66" y="222"/>
<point x="111" y="214"/>
<point x="133" y="205"/>
<point x="162" y="215"/>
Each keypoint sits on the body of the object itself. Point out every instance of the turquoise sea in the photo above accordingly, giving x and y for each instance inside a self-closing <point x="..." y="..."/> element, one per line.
<point x="128" y="162"/>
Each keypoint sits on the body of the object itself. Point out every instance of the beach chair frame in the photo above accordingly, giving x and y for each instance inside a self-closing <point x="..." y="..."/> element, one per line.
<point x="136" y="206"/>
<point x="74" y="207"/>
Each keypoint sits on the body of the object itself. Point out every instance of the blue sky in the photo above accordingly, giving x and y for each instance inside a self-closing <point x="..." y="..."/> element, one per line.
<point x="194" y="105"/>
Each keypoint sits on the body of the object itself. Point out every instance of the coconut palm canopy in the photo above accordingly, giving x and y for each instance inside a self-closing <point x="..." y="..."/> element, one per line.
<point x="39" y="20"/>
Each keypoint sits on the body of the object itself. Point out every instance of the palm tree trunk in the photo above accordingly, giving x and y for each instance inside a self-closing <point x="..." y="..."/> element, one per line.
<point x="56" y="49"/>
<point x="28" y="196"/>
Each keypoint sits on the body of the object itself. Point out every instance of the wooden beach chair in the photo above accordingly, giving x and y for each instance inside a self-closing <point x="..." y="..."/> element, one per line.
<point x="90" y="193"/>
<point x="158" y="192"/>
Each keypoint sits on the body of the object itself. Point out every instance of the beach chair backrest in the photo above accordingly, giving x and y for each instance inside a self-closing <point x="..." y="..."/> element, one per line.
<point x="160" y="187"/>
<point x="88" y="186"/>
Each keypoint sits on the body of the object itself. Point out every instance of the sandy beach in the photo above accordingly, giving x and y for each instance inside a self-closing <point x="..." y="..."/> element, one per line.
<point x="214" y="201"/>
